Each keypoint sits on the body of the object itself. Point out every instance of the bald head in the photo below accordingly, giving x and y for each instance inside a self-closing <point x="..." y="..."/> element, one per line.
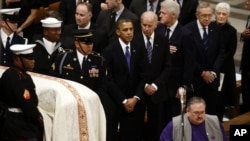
<point x="148" y="22"/>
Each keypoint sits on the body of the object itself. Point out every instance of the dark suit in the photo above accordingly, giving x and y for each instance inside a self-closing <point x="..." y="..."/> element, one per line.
<point x="68" y="8"/>
<point x="209" y="59"/>
<point x="125" y="84"/>
<point x="6" y="54"/>
<point x="228" y="90"/>
<point x="105" y="33"/>
<point x="188" y="11"/>
<point x="181" y="68"/>
<point x="245" y="69"/>
<point x="154" y="72"/>
<point x="140" y="6"/>
<point x="44" y="60"/>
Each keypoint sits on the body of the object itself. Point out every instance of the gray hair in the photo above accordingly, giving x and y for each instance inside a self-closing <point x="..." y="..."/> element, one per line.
<point x="195" y="100"/>
<point x="203" y="5"/>
<point x="150" y="15"/>
<point x="171" y="6"/>
<point x="223" y="5"/>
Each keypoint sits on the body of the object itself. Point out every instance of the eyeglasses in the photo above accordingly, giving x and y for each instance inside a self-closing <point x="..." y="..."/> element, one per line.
<point x="205" y="16"/>
<point x="197" y="113"/>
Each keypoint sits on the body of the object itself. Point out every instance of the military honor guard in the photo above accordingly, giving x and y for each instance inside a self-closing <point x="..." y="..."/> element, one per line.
<point x="48" y="46"/>
<point x="82" y="64"/>
<point x="8" y="36"/>
<point x="22" y="119"/>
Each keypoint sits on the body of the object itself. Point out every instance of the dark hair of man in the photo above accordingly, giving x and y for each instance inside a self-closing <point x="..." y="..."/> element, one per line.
<point x="54" y="14"/>
<point x="121" y="21"/>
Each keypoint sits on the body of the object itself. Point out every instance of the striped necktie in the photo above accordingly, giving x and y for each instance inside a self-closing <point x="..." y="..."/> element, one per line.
<point x="149" y="49"/>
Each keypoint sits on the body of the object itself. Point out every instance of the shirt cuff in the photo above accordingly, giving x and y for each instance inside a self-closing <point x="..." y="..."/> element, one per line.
<point x="124" y="101"/>
<point x="153" y="84"/>
<point x="137" y="97"/>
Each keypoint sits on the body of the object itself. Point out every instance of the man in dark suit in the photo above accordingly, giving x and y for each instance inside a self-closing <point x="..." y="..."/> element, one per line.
<point x="68" y="7"/>
<point x="209" y="55"/>
<point x="83" y="15"/>
<point x="140" y="6"/>
<point x="188" y="10"/>
<point x="106" y="22"/>
<point x="123" y="65"/>
<point x="245" y="67"/>
<point x="8" y="37"/>
<point x="154" y="49"/>
<point x="182" y="60"/>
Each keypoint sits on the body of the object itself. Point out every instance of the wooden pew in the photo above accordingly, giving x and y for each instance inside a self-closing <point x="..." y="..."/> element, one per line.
<point x="243" y="119"/>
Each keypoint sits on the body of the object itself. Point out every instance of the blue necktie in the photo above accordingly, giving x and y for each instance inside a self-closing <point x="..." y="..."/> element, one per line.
<point x="149" y="49"/>
<point x="205" y="38"/>
<point x="127" y="55"/>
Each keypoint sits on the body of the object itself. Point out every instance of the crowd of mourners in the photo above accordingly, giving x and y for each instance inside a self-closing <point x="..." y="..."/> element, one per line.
<point x="143" y="58"/>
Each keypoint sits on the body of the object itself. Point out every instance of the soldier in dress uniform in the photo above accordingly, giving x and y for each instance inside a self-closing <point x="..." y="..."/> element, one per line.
<point x="8" y="37"/>
<point x="82" y="64"/>
<point x="48" y="46"/>
<point x="23" y="121"/>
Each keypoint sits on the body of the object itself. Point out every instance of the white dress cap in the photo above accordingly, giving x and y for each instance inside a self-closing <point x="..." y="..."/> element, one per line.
<point x="51" y="22"/>
<point x="22" y="48"/>
<point x="11" y="11"/>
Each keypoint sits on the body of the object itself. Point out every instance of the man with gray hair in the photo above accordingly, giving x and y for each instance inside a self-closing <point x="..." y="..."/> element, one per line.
<point x="195" y="124"/>
<point x="209" y="55"/>
<point x="182" y="48"/>
<point x="155" y="53"/>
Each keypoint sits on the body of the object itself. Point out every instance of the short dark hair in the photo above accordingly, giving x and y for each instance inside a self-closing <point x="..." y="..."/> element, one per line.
<point x="120" y="21"/>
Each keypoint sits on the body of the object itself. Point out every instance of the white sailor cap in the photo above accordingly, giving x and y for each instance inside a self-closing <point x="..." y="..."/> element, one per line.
<point x="22" y="48"/>
<point x="10" y="14"/>
<point x="51" y="22"/>
<point x="10" y="11"/>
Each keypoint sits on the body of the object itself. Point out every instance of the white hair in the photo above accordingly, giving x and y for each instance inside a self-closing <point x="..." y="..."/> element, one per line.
<point x="223" y="5"/>
<point x="171" y="6"/>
